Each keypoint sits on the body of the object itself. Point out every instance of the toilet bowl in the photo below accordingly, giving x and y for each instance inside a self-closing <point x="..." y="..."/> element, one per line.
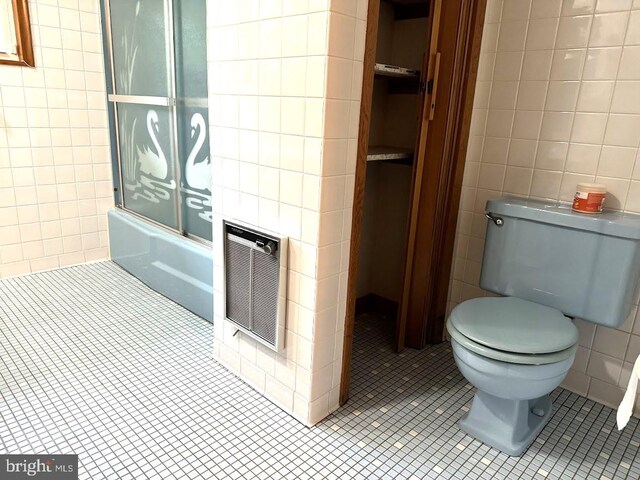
<point x="546" y="261"/>
<point x="514" y="352"/>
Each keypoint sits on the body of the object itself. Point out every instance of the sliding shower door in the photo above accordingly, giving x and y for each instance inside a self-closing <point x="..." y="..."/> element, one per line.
<point x="193" y="116"/>
<point x="158" y="79"/>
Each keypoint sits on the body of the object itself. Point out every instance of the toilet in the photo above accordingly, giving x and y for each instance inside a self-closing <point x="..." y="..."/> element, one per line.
<point x="548" y="264"/>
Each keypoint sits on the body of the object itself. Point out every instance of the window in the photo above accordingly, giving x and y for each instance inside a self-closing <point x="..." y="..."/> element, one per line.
<point x="15" y="34"/>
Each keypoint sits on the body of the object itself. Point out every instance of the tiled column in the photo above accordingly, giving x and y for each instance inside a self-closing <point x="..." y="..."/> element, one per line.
<point x="282" y="77"/>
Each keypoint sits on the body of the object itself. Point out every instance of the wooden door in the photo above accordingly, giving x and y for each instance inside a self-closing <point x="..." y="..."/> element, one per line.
<point x="451" y="69"/>
<point x="455" y="52"/>
<point x="429" y="83"/>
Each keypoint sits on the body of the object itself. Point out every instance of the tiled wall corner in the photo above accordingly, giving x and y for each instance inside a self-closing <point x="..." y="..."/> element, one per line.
<point x="55" y="165"/>
<point x="347" y="28"/>
<point x="557" y="103"/>
<point x="284" y="95"/>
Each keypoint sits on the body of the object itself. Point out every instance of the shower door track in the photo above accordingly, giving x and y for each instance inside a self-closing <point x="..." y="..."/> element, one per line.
<point x="172" y="231"/>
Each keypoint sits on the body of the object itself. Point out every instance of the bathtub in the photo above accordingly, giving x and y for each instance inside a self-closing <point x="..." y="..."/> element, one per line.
<point x="174" y="266"/>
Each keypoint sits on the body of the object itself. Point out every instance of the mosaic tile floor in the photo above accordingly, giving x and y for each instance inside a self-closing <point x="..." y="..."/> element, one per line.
<point x="95" y="363"/>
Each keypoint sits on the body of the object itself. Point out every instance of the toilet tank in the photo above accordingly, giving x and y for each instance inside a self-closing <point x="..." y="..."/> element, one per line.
<point x="585" y="265"/>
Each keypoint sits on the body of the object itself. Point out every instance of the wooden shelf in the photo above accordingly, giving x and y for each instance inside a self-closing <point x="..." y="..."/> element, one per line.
<point x="394" y="71"/>
<point x="378" y="153"/>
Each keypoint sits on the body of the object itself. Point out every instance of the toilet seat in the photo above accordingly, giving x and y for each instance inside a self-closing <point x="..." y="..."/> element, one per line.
<point x="513" y="330"/>
<point x="510" y="357"/>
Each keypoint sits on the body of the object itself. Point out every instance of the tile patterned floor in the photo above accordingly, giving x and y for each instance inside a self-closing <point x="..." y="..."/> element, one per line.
<point x="95" y="363"/>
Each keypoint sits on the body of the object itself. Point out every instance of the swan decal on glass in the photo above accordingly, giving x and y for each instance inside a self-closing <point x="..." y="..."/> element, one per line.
<point x="198" y="175"/>
<point x="153" y="166"/>
<point x="153" y="163"/>
<point x="197" y="190"/>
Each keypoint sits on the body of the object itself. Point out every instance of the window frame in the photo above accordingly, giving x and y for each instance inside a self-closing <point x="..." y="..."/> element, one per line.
<point x="24" y="42"/>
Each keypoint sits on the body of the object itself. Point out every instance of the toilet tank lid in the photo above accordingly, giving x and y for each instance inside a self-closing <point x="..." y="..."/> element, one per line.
<point x="611" y="223"/>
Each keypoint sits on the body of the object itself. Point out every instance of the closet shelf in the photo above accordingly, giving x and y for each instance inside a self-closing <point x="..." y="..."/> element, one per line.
<point x="395" y="71"/>
<point x="383" y="152"/>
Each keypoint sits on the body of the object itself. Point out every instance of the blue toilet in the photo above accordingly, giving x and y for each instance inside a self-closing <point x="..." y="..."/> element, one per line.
<point x="549" y="263"/>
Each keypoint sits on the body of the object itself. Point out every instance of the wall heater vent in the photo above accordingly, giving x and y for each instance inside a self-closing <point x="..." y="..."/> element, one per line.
<point x="255" y="270"/>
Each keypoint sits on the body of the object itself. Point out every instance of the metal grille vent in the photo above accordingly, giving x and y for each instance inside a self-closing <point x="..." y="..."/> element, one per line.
<point x="263" y="292"/>
<point x="255" y="269"/>
<point x="238" y="283"/>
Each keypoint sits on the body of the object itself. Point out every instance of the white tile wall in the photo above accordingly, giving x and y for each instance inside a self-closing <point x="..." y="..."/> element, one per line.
<point x="557" y="103"/>
<point x="55" y="173"/>
<point x="286" y="77"/>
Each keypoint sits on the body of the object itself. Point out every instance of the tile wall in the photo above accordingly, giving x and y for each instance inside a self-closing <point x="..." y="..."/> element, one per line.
<point x="285" y="84"/>
<point x="55" y="168"/>
<point x="557" y="103"/>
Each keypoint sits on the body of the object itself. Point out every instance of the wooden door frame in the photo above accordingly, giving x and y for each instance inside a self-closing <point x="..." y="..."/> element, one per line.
<point x="428" y="262"/>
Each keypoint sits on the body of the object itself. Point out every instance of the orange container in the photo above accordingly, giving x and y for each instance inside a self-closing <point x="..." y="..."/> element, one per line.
<point x="589" y="197"/>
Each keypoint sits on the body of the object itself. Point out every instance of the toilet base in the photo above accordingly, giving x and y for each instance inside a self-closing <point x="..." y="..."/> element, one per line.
<point x="508" y="425"/>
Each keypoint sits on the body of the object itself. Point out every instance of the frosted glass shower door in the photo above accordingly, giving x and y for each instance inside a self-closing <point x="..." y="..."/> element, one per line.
<point x="193" y="117"/>
<point x="142" y="65"/>
<point x="158" y="64"/>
